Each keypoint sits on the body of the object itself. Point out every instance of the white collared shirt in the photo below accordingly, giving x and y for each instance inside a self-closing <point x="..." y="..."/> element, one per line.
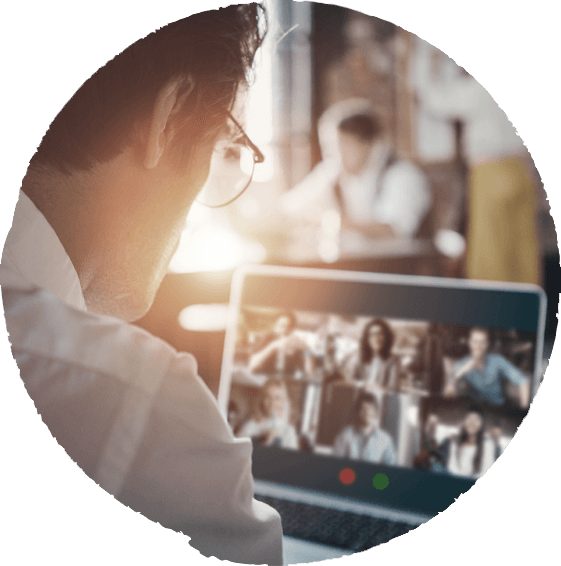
<point x="396" y="194"/>
<point x="127" y="408"/>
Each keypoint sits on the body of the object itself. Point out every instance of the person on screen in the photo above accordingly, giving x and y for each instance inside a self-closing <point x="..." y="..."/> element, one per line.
<point x="374" y="365"/>
<point x="364" y="439"/>
<point x="375" y="194"/>
<point x="482" y="374"/>
<point x="270" y="424"/>
<point x="100" y="213"/>
<point x="469" y="453"/>
<point x="283" y="350"/>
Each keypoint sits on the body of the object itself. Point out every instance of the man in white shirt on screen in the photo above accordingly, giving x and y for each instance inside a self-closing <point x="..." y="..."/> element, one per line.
<point x="99" y="216"/>
<point x="365" y="439"/>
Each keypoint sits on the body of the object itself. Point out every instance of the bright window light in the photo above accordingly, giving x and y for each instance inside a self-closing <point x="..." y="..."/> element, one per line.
<point x="259" y="109"/>
<point x="212" y="246"/>
<point x="204" y="318"/>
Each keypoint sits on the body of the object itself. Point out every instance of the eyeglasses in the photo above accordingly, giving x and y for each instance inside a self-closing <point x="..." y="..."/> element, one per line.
<point x="231" y="168"/>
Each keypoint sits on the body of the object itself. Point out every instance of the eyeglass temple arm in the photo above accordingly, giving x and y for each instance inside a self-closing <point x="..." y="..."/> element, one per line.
<point x="258" y="156"/>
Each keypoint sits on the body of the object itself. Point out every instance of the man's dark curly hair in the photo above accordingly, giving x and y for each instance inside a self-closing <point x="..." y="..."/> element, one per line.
<point x="212" y="53"/>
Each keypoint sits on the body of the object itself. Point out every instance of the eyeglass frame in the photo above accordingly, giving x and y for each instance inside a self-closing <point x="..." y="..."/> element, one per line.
<point x="258" y="157"/>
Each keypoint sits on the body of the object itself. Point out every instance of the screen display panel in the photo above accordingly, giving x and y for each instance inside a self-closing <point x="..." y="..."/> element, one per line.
<point x="390" y="389"/>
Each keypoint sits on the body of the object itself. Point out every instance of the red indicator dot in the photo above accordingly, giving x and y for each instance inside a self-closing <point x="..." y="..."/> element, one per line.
<point x="347" y="476"/>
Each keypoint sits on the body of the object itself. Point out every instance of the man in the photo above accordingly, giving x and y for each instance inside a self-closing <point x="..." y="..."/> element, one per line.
<point x="99" y="216"/>
<point x="365" y="440"/>
<point x="375" y="194"/>
<point x="483" y="374"/>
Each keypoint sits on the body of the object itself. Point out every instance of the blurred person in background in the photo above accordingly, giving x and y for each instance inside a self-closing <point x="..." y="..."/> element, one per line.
<point x="270" y="423"/>
<point x="364" y="439"/>
<point x="375" y="193"/>
<point x="282" y="350"/>
<point x="374" y="365"/>
<point x="482" y="374"/>
<point x="100" y="213"/>
<point x="502" y="240"/>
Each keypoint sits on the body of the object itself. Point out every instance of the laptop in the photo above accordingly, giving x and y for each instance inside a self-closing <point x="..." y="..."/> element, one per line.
<point x="373" y="400"/>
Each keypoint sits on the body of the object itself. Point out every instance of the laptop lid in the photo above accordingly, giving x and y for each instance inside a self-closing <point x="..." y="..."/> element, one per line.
<point x="386" y="390"/>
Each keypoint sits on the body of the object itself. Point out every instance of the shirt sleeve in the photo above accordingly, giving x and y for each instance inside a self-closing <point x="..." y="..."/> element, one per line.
<point x="405" y="198"/>
<point x="140" y="422"/>
<point x="510" y="372"/>
<point x="191" y="475"/>
<point x="313" y="194"/>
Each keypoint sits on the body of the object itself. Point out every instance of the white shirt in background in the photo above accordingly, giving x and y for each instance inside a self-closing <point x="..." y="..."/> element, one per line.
<point x="398" y="194"/>
<point x="127" y="408"/>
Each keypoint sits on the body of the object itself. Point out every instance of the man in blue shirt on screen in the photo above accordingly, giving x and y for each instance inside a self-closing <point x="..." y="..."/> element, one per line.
<point x="483" y="374"/>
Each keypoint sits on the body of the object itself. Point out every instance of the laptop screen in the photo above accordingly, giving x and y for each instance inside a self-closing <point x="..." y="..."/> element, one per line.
<point x="394" y="390"/>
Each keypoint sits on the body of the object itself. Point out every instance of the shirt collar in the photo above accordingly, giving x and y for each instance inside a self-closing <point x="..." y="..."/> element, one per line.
<point x="34" y="256"/>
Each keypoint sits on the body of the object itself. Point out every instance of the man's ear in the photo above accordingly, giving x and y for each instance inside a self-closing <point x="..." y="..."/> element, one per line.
<point x="168" y="101"/>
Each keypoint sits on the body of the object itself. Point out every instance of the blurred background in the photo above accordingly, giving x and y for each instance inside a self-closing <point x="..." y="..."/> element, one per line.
<point x="467" y="216"/>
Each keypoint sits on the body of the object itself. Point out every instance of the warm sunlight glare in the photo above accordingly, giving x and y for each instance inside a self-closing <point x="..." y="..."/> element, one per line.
<point x="211" y="245"/>
<point x="204" y="318"/>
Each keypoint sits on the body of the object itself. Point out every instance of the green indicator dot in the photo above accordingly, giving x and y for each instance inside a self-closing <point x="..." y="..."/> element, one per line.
<point x="380" y="481"/>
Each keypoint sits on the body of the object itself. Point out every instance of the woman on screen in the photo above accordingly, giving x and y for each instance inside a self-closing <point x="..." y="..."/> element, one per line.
<point x="270" y="424"/>
<point x="376" y="366"/>
<point x="470" y="453"/>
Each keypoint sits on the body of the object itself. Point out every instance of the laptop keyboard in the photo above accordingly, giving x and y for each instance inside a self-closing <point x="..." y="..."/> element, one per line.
<point x="332" y="527"/>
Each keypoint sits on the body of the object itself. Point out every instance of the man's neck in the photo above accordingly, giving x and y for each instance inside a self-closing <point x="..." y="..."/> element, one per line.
<point x="84" y="208"/>
<point x="480" y="362"/>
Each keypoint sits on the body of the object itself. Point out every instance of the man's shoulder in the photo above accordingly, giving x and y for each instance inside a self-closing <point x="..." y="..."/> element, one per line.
<point x="41" y="325"/>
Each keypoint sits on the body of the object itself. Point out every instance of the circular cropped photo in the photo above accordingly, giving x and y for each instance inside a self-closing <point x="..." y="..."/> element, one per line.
<point x="282" y="277"/>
